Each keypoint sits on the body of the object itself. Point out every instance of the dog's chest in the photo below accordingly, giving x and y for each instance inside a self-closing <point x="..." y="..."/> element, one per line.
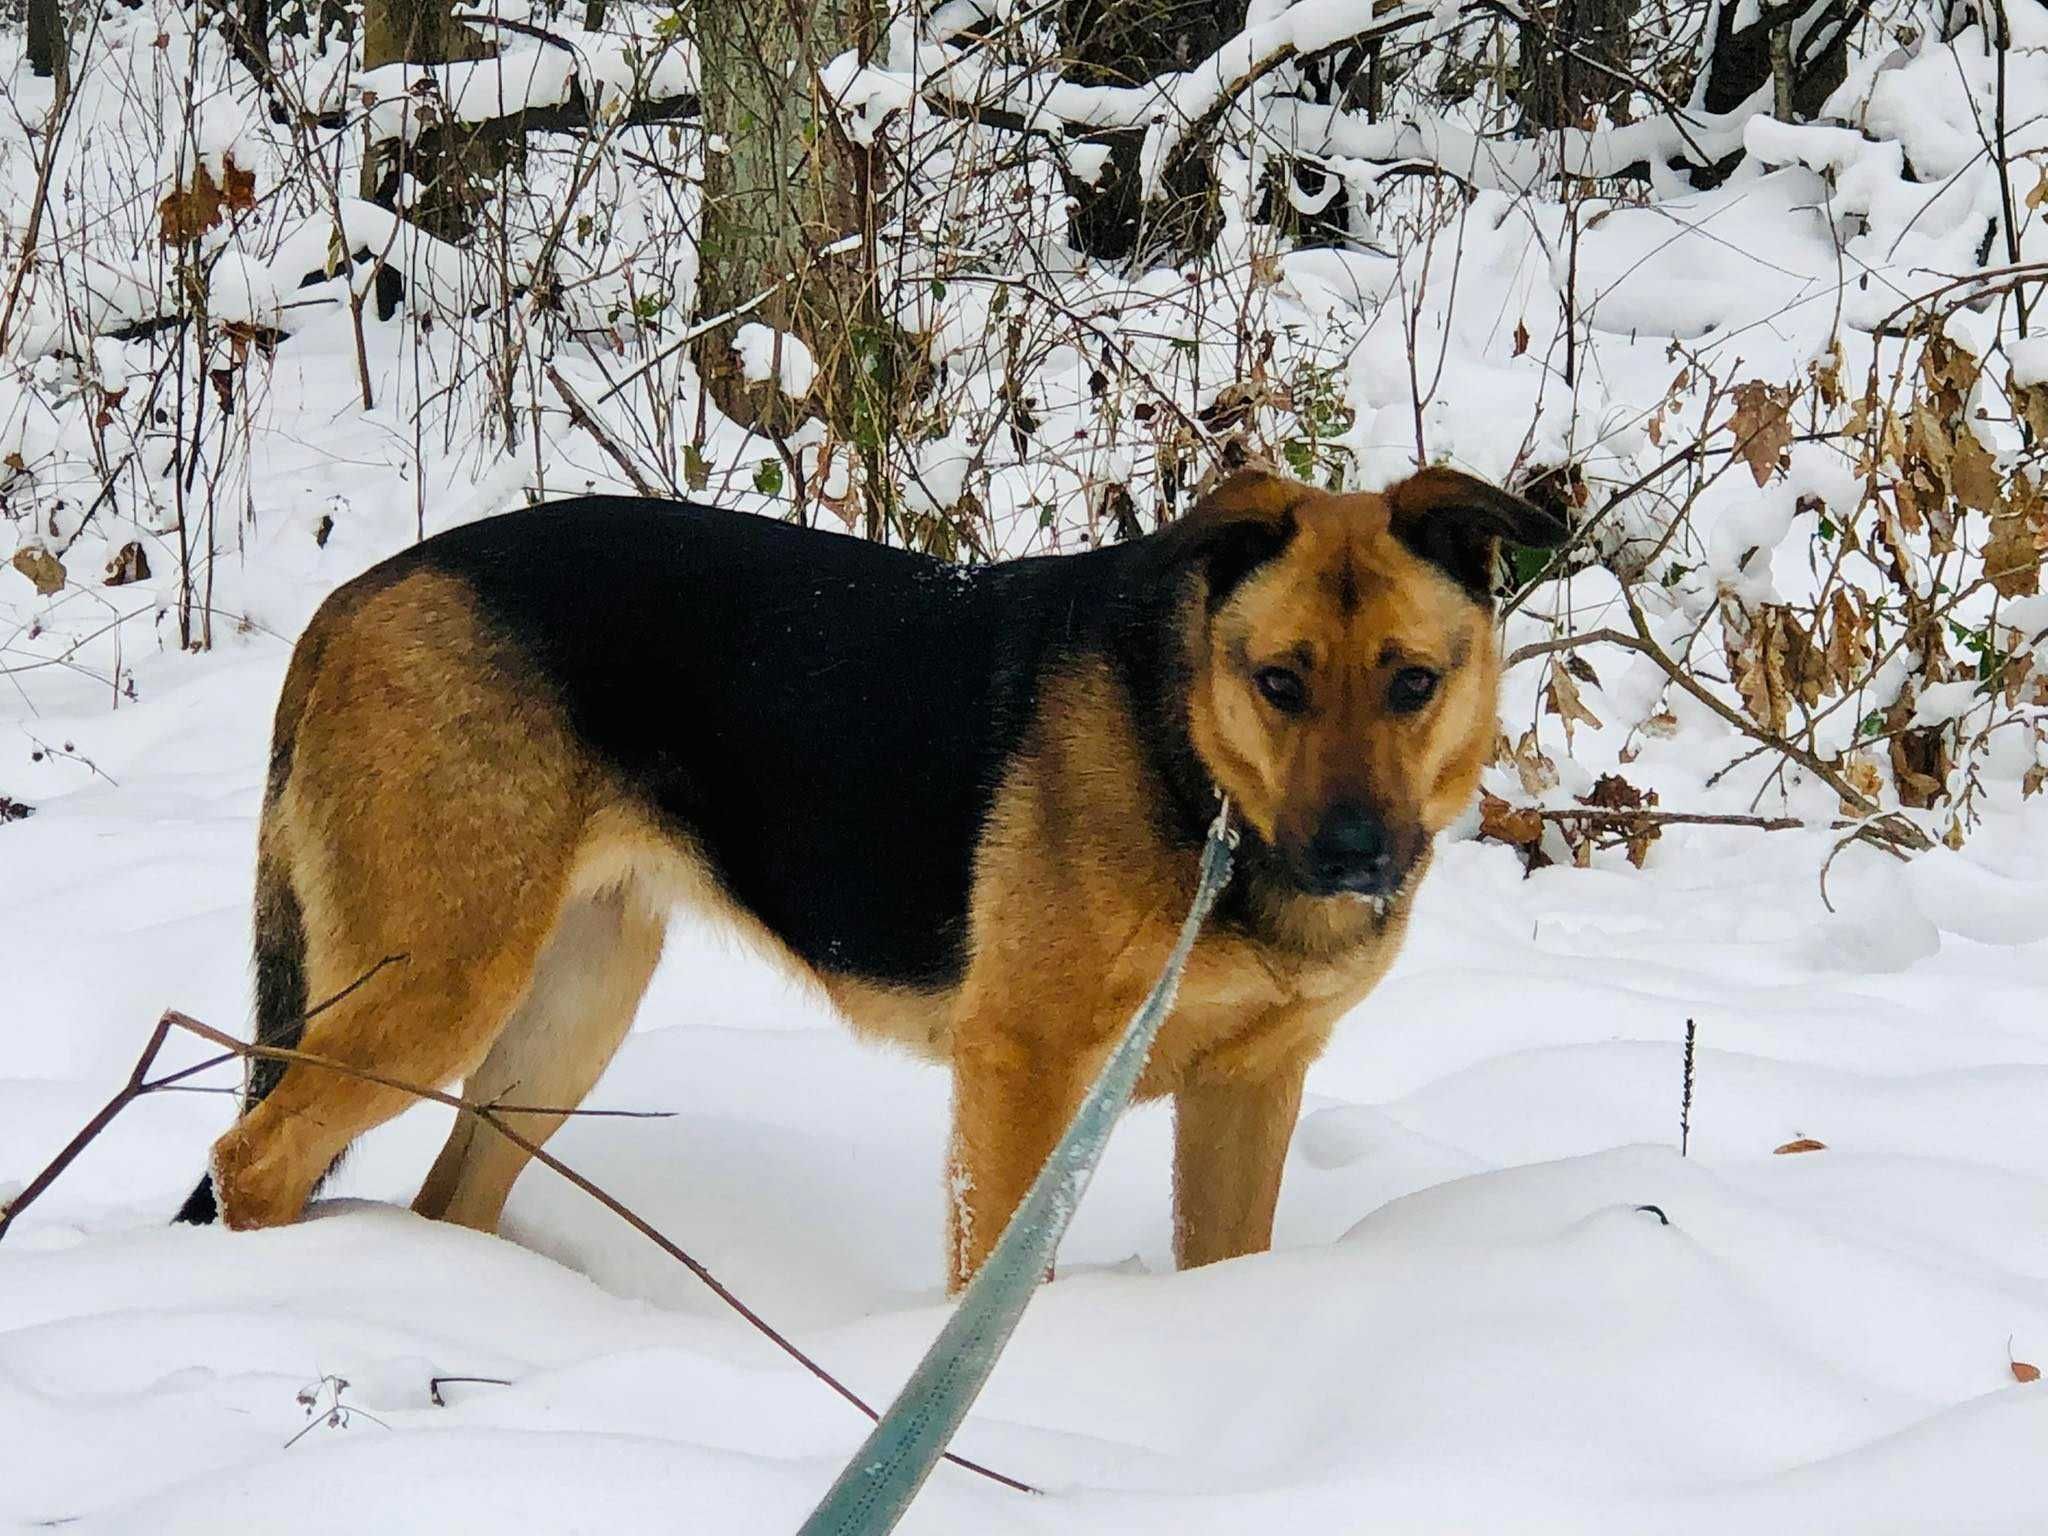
<point x="1245" y="1008"/>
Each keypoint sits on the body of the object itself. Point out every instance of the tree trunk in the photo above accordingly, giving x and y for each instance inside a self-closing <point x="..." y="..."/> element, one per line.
<point x="450" y="165"/>
<point x="416" y="32"/>
<point x="1128" y="42"/>
<point x="49" y="44"/>
<point x="781" y="187"/>
<point x="1737" y="53"/>
<point x="1575" y="62"/>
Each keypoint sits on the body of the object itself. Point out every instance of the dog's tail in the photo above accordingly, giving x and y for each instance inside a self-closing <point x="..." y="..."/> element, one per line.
<point x="280" y="999"/>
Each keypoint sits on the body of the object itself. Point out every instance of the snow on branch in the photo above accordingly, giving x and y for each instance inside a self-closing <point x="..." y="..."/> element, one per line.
<point x="540" y="87"/>
<point x="1193" y="102"/>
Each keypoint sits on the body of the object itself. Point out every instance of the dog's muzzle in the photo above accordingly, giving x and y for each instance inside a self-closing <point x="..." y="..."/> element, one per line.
<point x="1352" y="854"/>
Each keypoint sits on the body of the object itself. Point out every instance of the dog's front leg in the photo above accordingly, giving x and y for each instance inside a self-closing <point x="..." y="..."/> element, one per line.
<point x="1013" y="1095"/>
<point x="1230" y="1139"/>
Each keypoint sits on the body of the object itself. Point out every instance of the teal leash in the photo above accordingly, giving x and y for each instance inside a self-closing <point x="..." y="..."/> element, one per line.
<point x="874" y="1490"/>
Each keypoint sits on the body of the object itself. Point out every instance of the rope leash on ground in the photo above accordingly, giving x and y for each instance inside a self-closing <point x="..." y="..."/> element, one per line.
<point x="873" y="1492"/>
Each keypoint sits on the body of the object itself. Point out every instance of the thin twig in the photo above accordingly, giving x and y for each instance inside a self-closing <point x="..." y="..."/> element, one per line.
<point x="1536" y="648"/>
<point x="581" y="415"/>
<point x="131" y="1090"/>
<point x="436" y="1383"/>
<point x="1653" y="817"/>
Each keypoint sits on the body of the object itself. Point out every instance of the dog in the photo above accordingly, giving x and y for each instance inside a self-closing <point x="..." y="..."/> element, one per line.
<point x="968" y="802"/>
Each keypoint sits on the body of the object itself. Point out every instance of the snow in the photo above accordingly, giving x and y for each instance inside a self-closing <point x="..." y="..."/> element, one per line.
<point x="1468" y="1322"/>
<point x="1940" y="703"/>
<point x="472" y="91"/>
<point x="2029" y="361"/>
<point x="764" y="354"/>
<point x="1714" y="261"/>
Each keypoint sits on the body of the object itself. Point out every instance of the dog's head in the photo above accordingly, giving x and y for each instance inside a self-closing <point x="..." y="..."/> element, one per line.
<point x="1343" y="668"/>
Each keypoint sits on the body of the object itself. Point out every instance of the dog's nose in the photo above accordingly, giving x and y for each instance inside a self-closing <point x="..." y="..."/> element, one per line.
<point x="1349" y="853"/>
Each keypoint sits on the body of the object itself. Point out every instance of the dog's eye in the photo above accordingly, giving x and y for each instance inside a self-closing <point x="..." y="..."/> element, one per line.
<point x="1282" y="689"/>
<point x="1411" y="688"/>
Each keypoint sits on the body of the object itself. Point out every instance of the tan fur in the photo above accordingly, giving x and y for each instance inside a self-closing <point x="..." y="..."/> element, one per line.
<point x="433" y="807"/>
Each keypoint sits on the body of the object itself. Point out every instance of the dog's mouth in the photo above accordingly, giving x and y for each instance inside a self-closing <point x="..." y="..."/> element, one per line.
<point x="1381" y="905"/>
<point x="1380" y="889"/>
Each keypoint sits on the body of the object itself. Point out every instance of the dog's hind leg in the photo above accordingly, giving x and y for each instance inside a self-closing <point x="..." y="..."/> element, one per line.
<point x="427" y="803"/>
<point x="553" y="1049"/>
<point x="427" y="1025"/>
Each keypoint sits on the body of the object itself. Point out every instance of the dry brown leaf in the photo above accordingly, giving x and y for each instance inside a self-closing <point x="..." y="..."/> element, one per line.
<point x="1974" y="474"/>
<point x="1803" y="1144"/>
<point x="1611" y="792"/>
<point x="2013" y="553"/>
<point x="2012" y="557"/>
<point x="1862" y="775"/>
<point x="1663" y="725"/>
<point x="2032" y="780"/>
<point x="1919" y="790"/>
<point x="2031" y="401"/>
<point x="2023" y="1372"/>
<point x="1847" y="651"/>
<point x="1521" y="338"/>
<point x="2039" y="195"/>
<point x="1908" y="502"/>
<point x="1565" y="702"/>
<point x="1762" y="686"/>
<point x="1766" y="656"/>
<point x="1536" y="771"/>
<point x="1920" y="758"/>
<point x="1857" y="425"/>
<point x="129" y="564"/>
<point x="1763" y="427"/>
<point x="1827" y="375"/>
<point x="2019" y="673"/>
<point x="1950" y="370"/>
<point x="1516" y="825"/>
<point x="186" y="213"/>
<point x="41" y="567"/>
<point x="103" y="418"/>
<point x="1931" y="441"/>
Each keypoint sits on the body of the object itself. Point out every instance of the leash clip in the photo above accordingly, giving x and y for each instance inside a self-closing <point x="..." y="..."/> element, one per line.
<point x="1220" y="830"/>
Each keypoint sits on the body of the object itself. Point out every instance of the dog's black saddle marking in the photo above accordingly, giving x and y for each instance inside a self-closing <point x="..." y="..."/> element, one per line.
<point x="829" y="718"/>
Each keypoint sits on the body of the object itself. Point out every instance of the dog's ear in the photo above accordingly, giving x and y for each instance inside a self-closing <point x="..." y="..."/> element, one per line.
<point x="1241" y="524"/>
<point x="1456" y="521"/>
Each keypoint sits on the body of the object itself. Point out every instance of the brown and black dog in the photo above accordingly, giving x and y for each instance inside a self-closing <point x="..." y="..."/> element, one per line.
<point x="968" y="802"/>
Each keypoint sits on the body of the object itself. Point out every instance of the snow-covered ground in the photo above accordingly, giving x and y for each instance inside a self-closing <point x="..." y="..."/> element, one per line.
<point x="1470" y="1322"/>
<point x="1467" y="1324"/>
